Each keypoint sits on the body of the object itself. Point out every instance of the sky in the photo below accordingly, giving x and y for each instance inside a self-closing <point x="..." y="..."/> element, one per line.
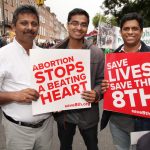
<point x="62" y="7"/>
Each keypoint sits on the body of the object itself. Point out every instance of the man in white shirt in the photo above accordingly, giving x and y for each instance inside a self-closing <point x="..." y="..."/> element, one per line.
<point x="22" y="129"/>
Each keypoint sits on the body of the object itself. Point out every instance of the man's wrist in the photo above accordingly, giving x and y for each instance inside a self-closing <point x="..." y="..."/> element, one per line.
<point x="96" y="97"/>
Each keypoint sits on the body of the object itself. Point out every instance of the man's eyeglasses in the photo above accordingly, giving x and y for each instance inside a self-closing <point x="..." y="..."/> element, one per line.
<point x="76" y="24"/>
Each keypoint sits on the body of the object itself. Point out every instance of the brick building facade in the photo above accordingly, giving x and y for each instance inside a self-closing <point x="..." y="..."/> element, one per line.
<point x="50" y="27"/>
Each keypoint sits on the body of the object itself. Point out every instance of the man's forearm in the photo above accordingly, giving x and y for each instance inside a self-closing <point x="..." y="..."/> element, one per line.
<point x="6" y="97"/>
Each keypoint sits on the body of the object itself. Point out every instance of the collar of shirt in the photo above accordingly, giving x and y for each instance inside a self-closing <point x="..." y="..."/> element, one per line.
<point x="122" y="50"/>
<point x="21" y="47"/>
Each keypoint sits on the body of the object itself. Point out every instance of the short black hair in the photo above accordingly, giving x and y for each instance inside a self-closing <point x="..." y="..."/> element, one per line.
<point x="24" y="9"/>
<point x="132" y="16"/>
<point x="77" y="11"/>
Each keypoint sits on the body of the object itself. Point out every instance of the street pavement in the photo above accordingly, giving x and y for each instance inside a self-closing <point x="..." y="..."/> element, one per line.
<point x="104" y="137"/>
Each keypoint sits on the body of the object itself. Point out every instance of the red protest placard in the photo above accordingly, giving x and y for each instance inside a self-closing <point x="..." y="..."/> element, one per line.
<point x="129" y="78"/>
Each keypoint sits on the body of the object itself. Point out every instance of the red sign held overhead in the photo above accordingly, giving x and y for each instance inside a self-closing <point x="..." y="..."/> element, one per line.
<point x="129" y="78"/>
<point x="92" y="33"/>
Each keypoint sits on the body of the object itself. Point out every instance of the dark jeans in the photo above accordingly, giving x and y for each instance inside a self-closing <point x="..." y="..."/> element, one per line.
<point x="142" y="124"/>
<point x="67" y="131"/>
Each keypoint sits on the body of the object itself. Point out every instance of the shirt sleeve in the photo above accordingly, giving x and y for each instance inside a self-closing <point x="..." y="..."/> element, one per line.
<point x="99" y="72"/>
<point x="2" y="71"/>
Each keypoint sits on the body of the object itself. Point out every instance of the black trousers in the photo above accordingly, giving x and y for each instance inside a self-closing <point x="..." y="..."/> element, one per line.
<point x="67" y="131"/>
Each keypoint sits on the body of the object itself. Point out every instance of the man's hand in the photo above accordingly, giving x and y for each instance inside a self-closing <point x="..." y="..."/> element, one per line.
<point x="25" y="96"/>
<point x="89" y="96"/>
<point x="104" y="86"/>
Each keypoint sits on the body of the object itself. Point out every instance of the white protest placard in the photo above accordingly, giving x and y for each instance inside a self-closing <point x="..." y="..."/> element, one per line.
<point x="60" y="76"/>
<point x="135" y="136"/>
<point x="109" y="36"/>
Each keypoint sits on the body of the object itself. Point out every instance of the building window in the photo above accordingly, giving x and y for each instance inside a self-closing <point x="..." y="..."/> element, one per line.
<point x="11" y="2"/>
<point x="11" y="16"/>
<point x="6" y="1"/>
<point x="18" y="2"/>
<point x="0" y="14"/>
<point x="6" y="14"/>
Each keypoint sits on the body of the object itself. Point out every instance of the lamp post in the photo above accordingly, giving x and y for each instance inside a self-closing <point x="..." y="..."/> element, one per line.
<point x="3" y="17"/>
<point x="99" y="29"/>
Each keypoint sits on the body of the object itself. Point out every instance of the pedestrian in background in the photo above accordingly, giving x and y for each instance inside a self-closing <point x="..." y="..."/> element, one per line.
<point x="23" y="130"/>
<point x="131" y="29"/>
<point x="3" y="40"/>
<point x="86" y="119"/>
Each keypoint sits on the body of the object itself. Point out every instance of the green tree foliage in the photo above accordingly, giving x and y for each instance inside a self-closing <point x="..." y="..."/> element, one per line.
<point x="101" y="18"/>
<point x="98" y="18"/>
<point x="120" y="7"/>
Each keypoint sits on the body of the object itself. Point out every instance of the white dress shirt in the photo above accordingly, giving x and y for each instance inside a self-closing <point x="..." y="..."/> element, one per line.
<point x="15" y="75"/>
